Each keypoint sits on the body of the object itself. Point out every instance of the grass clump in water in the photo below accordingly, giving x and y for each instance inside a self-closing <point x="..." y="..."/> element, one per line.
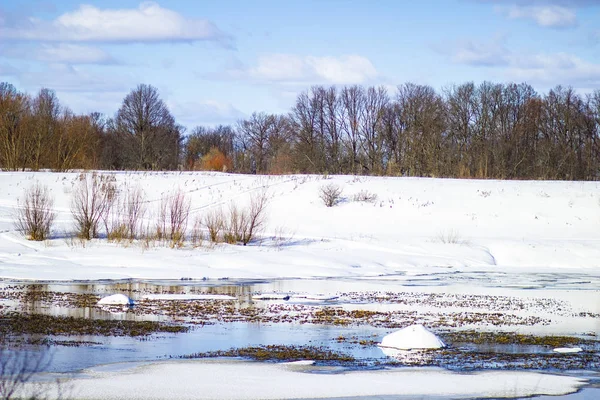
<point x="511" y="338"/>
<point x="18" y="324"/>
<point x="278" y="353"/>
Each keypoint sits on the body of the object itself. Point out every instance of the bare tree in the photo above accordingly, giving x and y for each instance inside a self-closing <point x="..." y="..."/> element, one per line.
<point x="14" y="113"/>
<point x="150" y="136"/>
<point x="255" y="134"/>
<point x="353" y="100"/>
<point x="376" y="100"/>
<point x="36" y="215"/>
<point x="305" y="120"/>
<point x="45" y="114"/>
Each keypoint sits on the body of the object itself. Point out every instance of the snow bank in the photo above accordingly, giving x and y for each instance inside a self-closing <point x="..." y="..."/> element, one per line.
<point x="115" y="300"/>
<point x="239" y="380"/>
<point x="417" y="224"/>
<point x="412" y="337"/>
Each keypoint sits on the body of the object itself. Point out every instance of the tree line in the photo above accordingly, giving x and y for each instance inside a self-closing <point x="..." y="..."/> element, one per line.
<point x="490" y="130"/>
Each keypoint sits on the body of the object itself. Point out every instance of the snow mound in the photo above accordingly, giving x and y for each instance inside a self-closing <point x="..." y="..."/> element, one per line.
<point x="565" y="350"/>
<point x="115" y="300"/>
<point x="412" y="337"/>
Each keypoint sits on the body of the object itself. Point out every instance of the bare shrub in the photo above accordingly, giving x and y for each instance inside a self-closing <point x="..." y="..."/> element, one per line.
<point x="111" y="197"/>
<point x="196" y="236"/>
<point x="282" y="238"/>
<point x="240" y="225"/>
<point x="17" y="369"/>
<point x="236" y="225"/>
<point x="179" y="212"/>
<point x="134" y="210"/>
<point x="91" y="199"/>
<point x="331" y="194"/>
<point x="256" y="216"/>
<point x="35" y="216"/>
<point x="451" y="237"/>
<point x="161" y="222"/>
<point x="173" y="218"/>
<point x="214" y="221"/>
<point x="365" y="196"/>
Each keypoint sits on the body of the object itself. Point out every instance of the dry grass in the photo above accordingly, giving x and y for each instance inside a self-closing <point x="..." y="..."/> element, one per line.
<point x="365" y="196"/>
<point x="451" y="237"/>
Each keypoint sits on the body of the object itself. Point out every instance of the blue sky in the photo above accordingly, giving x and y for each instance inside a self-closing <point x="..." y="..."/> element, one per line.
<point x="218" y="61"/>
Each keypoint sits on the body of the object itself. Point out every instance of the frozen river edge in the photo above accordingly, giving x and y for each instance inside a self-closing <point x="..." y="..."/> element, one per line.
<point x="234" y="379"/>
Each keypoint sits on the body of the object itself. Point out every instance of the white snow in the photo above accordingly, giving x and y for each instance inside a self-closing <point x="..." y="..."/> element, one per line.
<point x="210" y="379"/>
<point x="115" y="299"/>
<point x="412" y="337"/>
<point x="182" y="297"/>
<point x="417" y="226"/>
<point x="567" y="350"/>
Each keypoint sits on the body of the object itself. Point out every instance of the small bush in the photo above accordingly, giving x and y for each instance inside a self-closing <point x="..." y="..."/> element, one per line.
<point x="118" y="232"/>
<point x="451" y="237"/>
<point x="173" y="218"/>
<point x="235" y="226"/>
<point x="134" y="207"/>
<point x="240" y="225"/>
<point x="331" y="194"/>
<point x="91" y="199"/>
<point x="35" y="216"/>
<point x="215" y="160"/>
<point x="214" y="222"/>
<point x="256" y="216"/>
<point x="365" y="196"/>
<point x="196" y="236"/>
<point x="125" y="221"/>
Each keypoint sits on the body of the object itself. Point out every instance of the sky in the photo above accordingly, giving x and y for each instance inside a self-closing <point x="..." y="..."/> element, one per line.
<point x="218" y="61"/>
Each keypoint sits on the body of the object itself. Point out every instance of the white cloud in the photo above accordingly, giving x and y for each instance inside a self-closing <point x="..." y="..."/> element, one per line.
<point x="545" y="68"/>
<point x="206" y="112"/>
<point x="69" y="78"/>
<point x="289" y="68"/>
<point x="147" y="23"/>
<point x="558" y="68"/>
<point x="347" y="69"/>
<point x="481" y="54"/>
<point x="65" y="53"/>
<point x="547" y="16"/>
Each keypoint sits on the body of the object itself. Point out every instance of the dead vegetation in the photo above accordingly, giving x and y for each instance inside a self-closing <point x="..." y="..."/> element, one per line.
<point x="35" y="213"/>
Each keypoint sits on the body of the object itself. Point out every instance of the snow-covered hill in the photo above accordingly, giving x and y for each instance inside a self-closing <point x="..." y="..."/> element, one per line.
<point x="415" y="226"/>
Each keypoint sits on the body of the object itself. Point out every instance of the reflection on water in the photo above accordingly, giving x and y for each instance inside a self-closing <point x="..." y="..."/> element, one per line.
<point x="223" y="336"/>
